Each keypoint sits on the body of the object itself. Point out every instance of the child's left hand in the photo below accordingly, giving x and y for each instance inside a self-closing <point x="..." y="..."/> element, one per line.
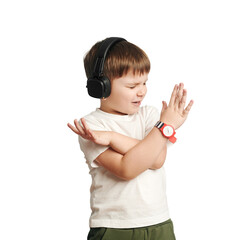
<point x="98" y="137"/>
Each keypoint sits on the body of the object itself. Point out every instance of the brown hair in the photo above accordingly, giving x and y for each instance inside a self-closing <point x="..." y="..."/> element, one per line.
<point x="121" y="58"/>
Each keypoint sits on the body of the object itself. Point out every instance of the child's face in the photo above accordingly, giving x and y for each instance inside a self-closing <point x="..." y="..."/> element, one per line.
<point x="127" y="94"/>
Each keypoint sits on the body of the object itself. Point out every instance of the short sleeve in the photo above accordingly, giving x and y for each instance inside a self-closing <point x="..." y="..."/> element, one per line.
<point x="152" y="115"/>
<point x="90" y="149"/>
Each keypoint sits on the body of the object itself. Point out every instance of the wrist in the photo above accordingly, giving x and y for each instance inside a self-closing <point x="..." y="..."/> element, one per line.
<point x="167" y="130"/>
<point x="168" y="122"/>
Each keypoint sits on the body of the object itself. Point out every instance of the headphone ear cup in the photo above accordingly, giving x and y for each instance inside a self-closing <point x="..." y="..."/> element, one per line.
<point x="107" y="86"/>
<point x="99" y="87"/>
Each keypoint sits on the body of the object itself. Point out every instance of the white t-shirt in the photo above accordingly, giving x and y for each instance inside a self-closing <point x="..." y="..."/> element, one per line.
<point x="117" y="203"/>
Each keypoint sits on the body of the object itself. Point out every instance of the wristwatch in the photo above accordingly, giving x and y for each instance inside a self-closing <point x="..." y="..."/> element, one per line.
<point x="167" y="131"/>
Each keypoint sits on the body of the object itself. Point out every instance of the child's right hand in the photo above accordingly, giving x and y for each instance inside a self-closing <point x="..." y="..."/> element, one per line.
<point x="175" y="113"/>
<point x="98" y="137"/>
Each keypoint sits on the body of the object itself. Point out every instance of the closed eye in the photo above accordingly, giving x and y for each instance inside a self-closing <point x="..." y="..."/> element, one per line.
<point x="133" y="86"/>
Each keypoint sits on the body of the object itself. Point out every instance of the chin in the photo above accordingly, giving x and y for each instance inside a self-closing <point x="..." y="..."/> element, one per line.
<point x="130" y="112"/>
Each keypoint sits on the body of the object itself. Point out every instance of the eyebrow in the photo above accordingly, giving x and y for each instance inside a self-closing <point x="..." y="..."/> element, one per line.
<point x="136" y="83"/>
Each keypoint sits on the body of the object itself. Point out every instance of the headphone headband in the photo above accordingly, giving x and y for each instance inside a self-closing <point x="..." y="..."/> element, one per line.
<point x="102" y="53"/>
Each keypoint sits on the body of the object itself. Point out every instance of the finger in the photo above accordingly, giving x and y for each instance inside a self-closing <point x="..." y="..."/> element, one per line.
<point x="85" y="126"/>
<point x="173" y="96"/>
<point x="92" y="135"/>
<point x="179" y="94"/>
<point x="164" y="105"/>
<point x="188" y="108"/>
<point x="73" y="128"/>
<point x="79" y="127"/>
<point x="183" y="100"/>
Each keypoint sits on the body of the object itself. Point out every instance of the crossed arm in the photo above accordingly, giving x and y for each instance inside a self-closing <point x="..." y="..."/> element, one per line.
<point x="122" y="144"/>
<point x="127" y="157"/>
<point x="119" y="143"/>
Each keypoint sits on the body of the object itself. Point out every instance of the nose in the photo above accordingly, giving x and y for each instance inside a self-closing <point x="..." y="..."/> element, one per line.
<point x="142" y="91"/>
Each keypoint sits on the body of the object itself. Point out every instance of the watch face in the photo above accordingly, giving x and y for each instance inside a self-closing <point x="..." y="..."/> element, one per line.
<point x="168" y="131"/>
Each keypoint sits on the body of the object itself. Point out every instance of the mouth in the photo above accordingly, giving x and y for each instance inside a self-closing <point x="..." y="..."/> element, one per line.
<point x="136" y="103"/>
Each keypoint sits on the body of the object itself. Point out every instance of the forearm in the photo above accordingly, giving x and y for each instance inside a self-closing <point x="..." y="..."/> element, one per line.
<point x="122" y="144"/>
<point x="144" y="154"/>
<point x="160" y="160"/>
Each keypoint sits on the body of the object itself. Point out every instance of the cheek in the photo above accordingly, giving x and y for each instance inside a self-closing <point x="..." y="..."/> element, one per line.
<point x="145" y="90"/>
<point x="124" y="98"/>
<point x="118" y="97"/>
<point x="122" y="93"/>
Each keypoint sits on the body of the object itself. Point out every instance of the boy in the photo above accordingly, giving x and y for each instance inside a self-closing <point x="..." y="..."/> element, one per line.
<point x="125" y="145"/>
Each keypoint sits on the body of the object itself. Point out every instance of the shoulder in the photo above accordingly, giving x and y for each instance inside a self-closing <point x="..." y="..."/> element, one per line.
<point x="94" y="121"/>
<point x="90" y="149"/>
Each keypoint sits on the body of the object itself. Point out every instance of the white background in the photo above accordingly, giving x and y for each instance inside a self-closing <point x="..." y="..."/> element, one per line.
<point x="44" y="180"/>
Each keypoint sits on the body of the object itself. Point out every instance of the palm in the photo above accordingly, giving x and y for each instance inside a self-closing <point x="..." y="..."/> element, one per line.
<point x="98" y="137"/>
<point x="176" y="113"/>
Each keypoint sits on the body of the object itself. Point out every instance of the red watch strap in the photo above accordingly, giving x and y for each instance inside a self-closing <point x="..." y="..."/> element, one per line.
<point x="172" y="139"/>
<point x="160" y="126"/>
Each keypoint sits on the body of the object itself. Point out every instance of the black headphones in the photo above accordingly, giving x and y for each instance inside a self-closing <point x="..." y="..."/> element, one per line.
<point x="98" y="85"/>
